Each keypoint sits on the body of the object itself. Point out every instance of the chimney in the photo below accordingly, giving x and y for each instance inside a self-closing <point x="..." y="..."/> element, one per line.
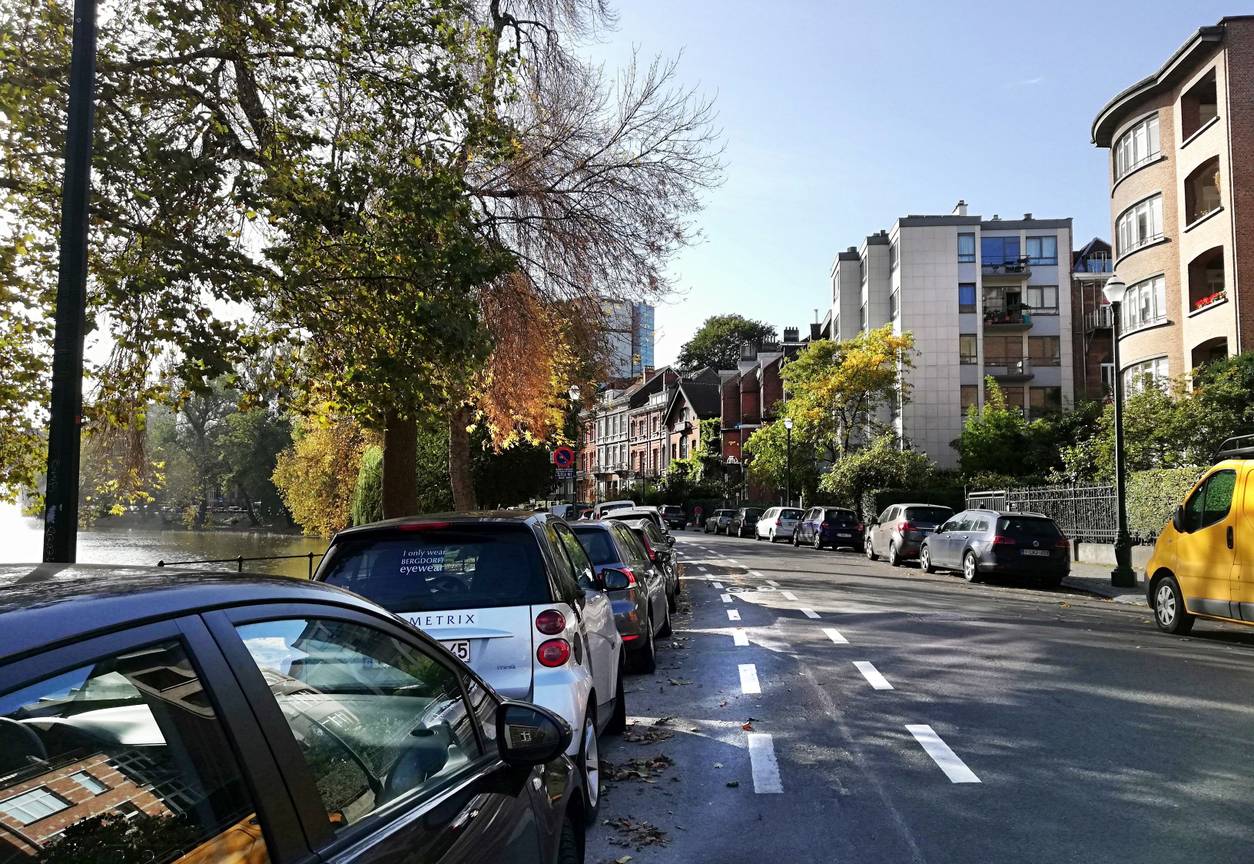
<point x="853" y="249"/>
<point x="960" y="209"/>
<point x="996" y="218"/>
<point x="791" y="336"/>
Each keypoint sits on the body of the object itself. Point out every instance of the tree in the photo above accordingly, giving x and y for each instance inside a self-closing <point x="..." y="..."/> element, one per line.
<point x="995" y="439"/>
<point x="317" y="474"/>
<point x="1225" y="407"/>
<point x="881" y="464"/>
<point x="718" y="341"/>
<point x="250" y="446"/>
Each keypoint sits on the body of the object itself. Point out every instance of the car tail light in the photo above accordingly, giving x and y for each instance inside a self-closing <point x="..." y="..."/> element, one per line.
<point x="648" y="547"/>
<point x="903" y="526"/>
<point x="779" y="520"/>
<point x="550" y="622"/>
<point x="1003" y="540"/>
<point x="421" y="526"/>
<point x="553" y="653"/>
<point x="860" y="527"/>
<point x="1063" y="543"/>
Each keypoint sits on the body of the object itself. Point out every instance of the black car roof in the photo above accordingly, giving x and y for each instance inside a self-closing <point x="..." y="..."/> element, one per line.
<point x="47" y="604"/>
<point x="520" y="517"/>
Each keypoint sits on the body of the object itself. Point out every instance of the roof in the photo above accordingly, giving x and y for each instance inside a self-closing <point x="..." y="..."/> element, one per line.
<point x="45" y="604"/>
<point x="704" y="397"/>
<point x="1178" y="65"/>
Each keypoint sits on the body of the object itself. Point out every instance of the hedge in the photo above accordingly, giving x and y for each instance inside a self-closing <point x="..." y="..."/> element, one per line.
<point x="1153" y="496"/>
<point x="875" y="500"/>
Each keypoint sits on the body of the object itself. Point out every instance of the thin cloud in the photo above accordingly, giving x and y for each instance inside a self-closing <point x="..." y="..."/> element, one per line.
<point x="1026" y="82"/>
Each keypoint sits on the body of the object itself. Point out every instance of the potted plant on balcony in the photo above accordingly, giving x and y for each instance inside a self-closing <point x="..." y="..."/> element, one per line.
<point x="1209" y="300"/>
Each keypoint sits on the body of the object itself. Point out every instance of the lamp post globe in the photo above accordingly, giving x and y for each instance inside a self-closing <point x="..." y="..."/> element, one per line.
<point x="573" y="392"/>
<point x="1123" y="575"/>
<point x="788" y="465"/>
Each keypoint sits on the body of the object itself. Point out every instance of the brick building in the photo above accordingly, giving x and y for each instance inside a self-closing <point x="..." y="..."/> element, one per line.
<point x="1091" y="321"/>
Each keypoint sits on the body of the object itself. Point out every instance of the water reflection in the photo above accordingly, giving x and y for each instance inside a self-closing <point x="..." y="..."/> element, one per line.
<point x="21" y="540"/>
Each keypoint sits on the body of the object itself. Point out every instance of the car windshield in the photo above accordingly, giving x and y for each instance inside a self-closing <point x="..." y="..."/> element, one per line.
<point x="597" y="543"/>
<point x="458" y="567"/>
<point x="1028" y="526"/>
<point x="928" y="515"/>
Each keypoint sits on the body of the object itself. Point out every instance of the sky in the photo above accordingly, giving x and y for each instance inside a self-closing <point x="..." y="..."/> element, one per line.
<point x="839" y="117"/>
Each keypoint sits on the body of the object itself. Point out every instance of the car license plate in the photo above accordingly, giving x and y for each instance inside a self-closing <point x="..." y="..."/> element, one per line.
<point x="1040" y="553"/>
<point x="843" y="534"/>
<point x="459" y="648"/>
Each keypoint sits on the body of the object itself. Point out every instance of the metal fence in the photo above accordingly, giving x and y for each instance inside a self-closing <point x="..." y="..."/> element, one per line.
<point x="1084" y="513"/>
<point x="239" y="561"/>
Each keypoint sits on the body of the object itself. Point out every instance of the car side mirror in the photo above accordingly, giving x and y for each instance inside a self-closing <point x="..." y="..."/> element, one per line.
<point x="530" y="735"/>
<point x="670" y="541"/>
<point x="611" y="579"/>
<point x="940" y="529"/>
<point x="1177" y="519"/>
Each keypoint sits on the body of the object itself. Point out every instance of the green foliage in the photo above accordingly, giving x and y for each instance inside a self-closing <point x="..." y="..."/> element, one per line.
<point x="317" y="474"/>
<point x="510" y="476"/>
<point x="767" y="449"/>
<point x="367" y="503"/>
<point x="881" y="464"/>
<point x="717" y="343"/>
<point x="1153" y="496"/>
<point x="874" y="501"/>
<point x="251" y="444"/>
<point x="1224" y="393"/>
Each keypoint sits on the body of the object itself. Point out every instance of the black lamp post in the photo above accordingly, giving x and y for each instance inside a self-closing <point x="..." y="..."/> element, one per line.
<point x="788" y="466"/>
<point x="1123" y="576"/>
<point x="573" y="392"/>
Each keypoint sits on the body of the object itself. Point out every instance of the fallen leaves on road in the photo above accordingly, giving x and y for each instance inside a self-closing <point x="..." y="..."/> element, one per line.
<point x="747" y="726"/>
<point x="718" y="764"/>
<point x="622" y="859"/>
<point x="645" y="768"/>
<point x="662" y="721"/>
<point x="678" y="682"/>
<point x="733" y="784"/>
<point x="637" y="734"/>
<point x="637" y="833"/>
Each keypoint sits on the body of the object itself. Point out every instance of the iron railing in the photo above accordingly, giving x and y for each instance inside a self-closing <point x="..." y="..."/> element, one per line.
<point x="239" y="560"/>
<point x="1084" y="513"/>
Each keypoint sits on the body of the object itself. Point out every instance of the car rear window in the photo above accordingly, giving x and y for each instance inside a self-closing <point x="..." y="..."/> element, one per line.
<point x="936" y="515"/>
<point x="841" y="517"/>
<point x="673" y="510"/>
<point x="789" y="513"/>
<point x="1026" y="526"/>
<point x="462" y="567"/>
<point x="752" y="514"/>
<point x="597" y="543"/>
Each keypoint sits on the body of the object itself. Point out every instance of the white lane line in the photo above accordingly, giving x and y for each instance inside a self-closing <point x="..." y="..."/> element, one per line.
<point x="733" y="615"/>
<point x="718" y="585"/>
<point x="809" y="613"/>
<point x="835" y="636"/>
<point x="872" y="675"/>
<point x="764" y="764"/>
<point x="733" y="562"/>
<point x="749" y="680"/>
<point x="788" y="595"/>
<point x="703" y="568"/>
<point x="740" y="636"/>
<point x="955" y="769"/>
<point x="726" y="598"/>
<point x="772" y="582"/>
<point x="756" y="575"/>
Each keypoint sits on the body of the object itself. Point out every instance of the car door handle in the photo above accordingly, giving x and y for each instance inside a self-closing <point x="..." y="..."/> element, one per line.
<point x="464" y="818"/>
<point x="1229" y="536"/>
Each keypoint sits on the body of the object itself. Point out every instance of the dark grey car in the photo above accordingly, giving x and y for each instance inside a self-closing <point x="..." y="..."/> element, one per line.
<point x="718" y="522"/>
<point x="636" y="587"/>
<point x="192" y="716"/>
<point x="898" y="532"/>
<point x="984" y="542"/>
<point x="743" y="521"/>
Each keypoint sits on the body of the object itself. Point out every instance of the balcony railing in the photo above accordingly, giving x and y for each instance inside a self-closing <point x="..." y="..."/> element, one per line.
<point x="1008" y="368"/>
<point x="1007" y="319"/>
<point x="1016" y="270"/>
<point x="1101" y="318"/>
<point x="1096" y="265"/>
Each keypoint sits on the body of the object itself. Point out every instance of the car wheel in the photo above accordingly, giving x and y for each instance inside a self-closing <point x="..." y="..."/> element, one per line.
<point x="568" y="851"/>
<point x="818" y="541"/>
<point x="590" y="766"/>
<point x="796" y="538"/>
<point x="970" y="571"/>
<point x="618" y="720"/>
<point x="1169" y="612"/>
<point x="665" y="629"/>
<point x="925" y="561"/>
<point x="645" y="659"/>
<point x="893" y="558"/>
<point x="870" y="550"/>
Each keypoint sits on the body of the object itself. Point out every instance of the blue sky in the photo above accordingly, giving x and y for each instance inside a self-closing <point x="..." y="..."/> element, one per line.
<point x="839" y="117"/>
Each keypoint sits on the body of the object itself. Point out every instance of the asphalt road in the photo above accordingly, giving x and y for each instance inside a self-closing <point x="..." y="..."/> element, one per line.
<point x="894" y="716"/>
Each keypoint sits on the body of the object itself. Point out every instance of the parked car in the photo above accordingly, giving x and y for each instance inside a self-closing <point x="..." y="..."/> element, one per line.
<point x="980" y="542"/>
<point x="599" y="510"/>
<point x="744" y="521"/>
<point x="898" y="532"/>
<point x="513" y="595"/>
<point x="1203" y="562"/>
<point x="637" y="588"/>
<point x="777" y="523"/>
<point x="718" y="521"/>
<point x="659" y="552"/>
<point x="829" y="526"/>
<point x="650" y="513"/>
<point x="229" y="717"/>
<point x="675" y="517"/>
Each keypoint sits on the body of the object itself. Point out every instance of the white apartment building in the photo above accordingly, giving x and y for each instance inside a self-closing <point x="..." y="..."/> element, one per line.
<point x="982" y="297"/>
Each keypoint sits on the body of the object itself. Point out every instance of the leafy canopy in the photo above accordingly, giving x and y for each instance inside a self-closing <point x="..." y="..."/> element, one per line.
<point x="717" y="343"/>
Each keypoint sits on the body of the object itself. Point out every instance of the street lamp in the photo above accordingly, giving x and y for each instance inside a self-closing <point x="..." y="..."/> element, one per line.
<point x="573" y="393"/>
<point x="1123" y="576"/>
<point x="788" y="468"/>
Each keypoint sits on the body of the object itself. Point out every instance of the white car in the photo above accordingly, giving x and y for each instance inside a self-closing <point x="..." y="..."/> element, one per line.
<point x="599" y="510"/>
<point x="511" y="594"/>
<point x="777" y="523"/>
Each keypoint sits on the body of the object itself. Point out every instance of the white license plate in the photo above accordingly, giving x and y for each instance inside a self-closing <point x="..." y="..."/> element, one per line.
<point x="1040" y="553"/>
<point x="459" y="648"/>
<point x="843" y="534"/>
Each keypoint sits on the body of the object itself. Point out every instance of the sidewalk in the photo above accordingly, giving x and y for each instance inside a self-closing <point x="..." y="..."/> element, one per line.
<point x="1095" y="579"/>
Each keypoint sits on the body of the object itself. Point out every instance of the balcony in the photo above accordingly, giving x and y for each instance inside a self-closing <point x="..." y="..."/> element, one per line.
<point x="1007" y="320"/>
<point x="1008" y="271"/>
<point x="1101" y="318"/>
<point x="1008" y="368"/>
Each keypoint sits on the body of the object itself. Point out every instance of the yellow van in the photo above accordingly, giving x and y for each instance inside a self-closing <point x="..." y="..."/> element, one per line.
<point x="1203" y="562"/>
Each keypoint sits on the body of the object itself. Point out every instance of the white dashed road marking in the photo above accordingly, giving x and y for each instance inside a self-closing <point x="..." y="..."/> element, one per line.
<point x="725" y="597"/>
<point x="788" y="595"/>
<point x="718" y="585"/>
<point x="809" y="613"/>
<point x="749" y="680"/>
<point x="872" y="675"/>
<point x="764" y="764"/>
<point x="834" y="635"/>
<point x="703" y="568"/>
<point x="772" y="582"/>
<point x="756" y="575"/>
<point x="733" y="615"/>
<point x="955" y="769"/>
<point x="740" y="637"/>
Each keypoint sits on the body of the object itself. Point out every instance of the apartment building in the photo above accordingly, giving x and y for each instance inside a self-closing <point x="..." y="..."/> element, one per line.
<point x="981" y="297"/>
<point x="629" y="339"/>
<point x="648" y="451"/>
<point x="1181" y="147"/>
<point x="1091" y="321"/>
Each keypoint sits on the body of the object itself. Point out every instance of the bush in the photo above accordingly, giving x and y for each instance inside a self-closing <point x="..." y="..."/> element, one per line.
<point x="880" y="465"/>
<point x="875" y="500"/>
<point x="367" y="503"/>
<point x="1154" y="495"/>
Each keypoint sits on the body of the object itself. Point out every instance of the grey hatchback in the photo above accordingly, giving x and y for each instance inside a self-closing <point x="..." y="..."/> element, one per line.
<point x="898" y="532"/>
<point x="636" y="587"/>
<point x="980" y="542"/>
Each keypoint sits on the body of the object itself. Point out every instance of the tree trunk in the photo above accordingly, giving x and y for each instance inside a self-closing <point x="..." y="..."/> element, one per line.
<point x="248" y="506"/>
<point x="459" y="472"/>
<point x="400" y="458"/>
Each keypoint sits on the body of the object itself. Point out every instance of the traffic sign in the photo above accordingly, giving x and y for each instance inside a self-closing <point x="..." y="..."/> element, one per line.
<point x="563" y="457"/>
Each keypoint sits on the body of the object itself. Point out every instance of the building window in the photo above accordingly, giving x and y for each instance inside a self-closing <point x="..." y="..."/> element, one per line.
<point x="970" y="397"/>
<point x="1201" y="191"/>
<point x="1044" y="350"/>
<point x="1136" y="147"/>
<point x="1144" y="305"/>
<point x="966" y="296"/>
<point x="894" y="301"/>
<point x="1198" y="106"/>
<point x="1043" y="299"/>
<point x="1140" y="224"/>
<point x="999" y="250"/>
<point x="1003" y="349"/>
<point x="1044" y="400"/>
<point x="966" y="248"/>
<point x="89" y="783"/>
<point x="892" y="255"/>
<point x="1206" y="279"/>
<point x="1014" y="397"/>
<point x="862" y="317"/>
<point x="1042" y="250"/>
<point x="1138" y="375"/>
<point x="863" y="268"/>
<point x="968" y="349"/>
<point x="30" y="807"/>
